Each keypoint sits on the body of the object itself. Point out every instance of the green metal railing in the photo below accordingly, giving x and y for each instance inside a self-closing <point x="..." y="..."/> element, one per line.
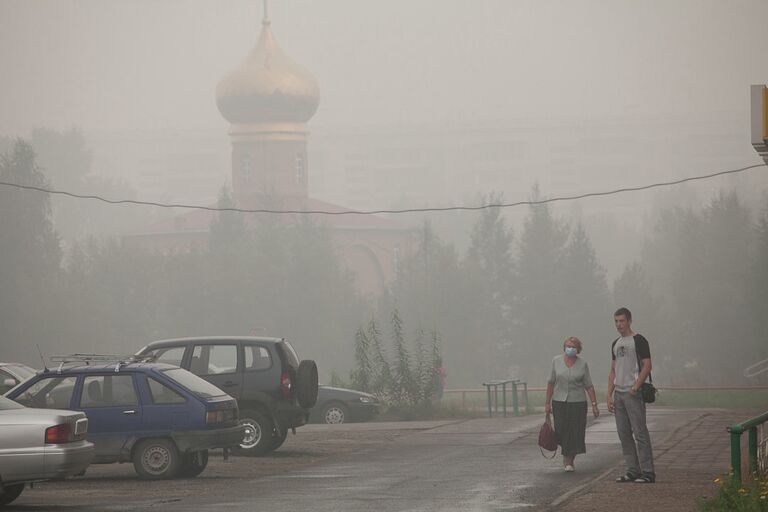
<point x="494" y="400"/>
<point x="754" y="445"/>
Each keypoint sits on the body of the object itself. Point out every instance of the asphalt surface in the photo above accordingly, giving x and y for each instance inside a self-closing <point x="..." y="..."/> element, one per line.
<point x="489" y="464"/>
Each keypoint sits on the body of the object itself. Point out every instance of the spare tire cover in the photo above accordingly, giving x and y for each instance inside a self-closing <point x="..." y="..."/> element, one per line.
<point x="306" y="384"/>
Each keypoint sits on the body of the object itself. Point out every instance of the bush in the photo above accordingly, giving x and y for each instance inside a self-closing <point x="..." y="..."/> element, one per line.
<point x="411" y="380"/>
<point x="747" y="497"/>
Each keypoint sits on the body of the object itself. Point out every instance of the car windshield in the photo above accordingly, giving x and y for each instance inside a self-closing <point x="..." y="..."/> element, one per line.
<point x="290" y="353"/>
<point x="193" y="383"/>
<point x="23" y="371"/>
<point x="7" y="404"/>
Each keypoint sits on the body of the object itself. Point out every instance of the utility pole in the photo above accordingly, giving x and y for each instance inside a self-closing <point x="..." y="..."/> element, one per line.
<point x="759" y="111"/>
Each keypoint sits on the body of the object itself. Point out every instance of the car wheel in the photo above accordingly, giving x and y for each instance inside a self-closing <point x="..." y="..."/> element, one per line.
<point x="278" y="441"/>
<point x="306" y="384"/>
<point x="335" y="414"/>
<point x="193" y="463"/>
<point x="258" y="436"/>
<point x="10" y="493"/>
<point x="156" y="459"/>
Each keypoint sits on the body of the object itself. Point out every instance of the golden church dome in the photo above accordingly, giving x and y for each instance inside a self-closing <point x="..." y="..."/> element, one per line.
<point x="268" y="87"/>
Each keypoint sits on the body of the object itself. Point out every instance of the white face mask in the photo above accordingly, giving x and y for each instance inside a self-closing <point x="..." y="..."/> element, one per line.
<point x="570" y="351"/>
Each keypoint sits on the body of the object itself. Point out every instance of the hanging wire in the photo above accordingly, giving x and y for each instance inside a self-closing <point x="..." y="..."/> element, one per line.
<point x="377" y="212"/>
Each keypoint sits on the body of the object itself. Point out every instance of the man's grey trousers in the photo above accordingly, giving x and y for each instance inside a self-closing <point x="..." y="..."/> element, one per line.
<point x="633" y="433"/>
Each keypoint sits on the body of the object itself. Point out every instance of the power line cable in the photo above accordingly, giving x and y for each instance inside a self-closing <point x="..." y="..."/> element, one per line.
<point x="376" y="212"/>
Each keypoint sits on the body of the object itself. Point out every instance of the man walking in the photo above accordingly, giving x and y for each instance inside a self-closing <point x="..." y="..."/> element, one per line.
<point x="630" y="367"/>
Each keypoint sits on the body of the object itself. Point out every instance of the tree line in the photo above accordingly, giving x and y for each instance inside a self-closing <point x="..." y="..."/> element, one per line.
<point x="698" y="288"/>
<point x="105" y="294"/>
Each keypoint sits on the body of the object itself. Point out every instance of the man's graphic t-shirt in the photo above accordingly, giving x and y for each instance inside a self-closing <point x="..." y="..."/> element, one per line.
<point x="625" y="352"/>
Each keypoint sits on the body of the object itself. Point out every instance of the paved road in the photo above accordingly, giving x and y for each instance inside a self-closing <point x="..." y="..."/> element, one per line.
<point x="474" y="465"/>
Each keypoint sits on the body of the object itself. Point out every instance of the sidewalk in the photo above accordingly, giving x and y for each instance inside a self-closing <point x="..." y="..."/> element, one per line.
<point x="687" y="462"/>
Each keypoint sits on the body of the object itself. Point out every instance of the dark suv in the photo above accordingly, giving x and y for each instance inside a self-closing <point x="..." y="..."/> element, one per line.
<point x="273" y="389"/>
<point x="160" y="417"/>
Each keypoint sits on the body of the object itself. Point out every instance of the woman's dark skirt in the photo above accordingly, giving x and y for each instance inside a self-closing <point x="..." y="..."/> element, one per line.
<point x="570" y="426"/>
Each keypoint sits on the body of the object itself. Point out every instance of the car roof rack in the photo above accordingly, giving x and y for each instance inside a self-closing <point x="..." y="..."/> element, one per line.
<point x="119" y="360"/>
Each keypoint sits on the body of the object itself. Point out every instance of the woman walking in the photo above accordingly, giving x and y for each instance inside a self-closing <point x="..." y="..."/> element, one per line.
<point x="567" y="389"/>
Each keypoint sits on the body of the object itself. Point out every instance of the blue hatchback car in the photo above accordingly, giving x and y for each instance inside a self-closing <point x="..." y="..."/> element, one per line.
<point x="160" y="417"/>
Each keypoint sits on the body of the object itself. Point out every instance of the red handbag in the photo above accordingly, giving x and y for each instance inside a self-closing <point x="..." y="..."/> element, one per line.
<point x="547" y="437"/>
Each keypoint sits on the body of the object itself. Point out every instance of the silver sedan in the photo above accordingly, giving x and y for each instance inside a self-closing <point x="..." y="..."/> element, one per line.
<point x="39" y="444"/>
<point x="12" y="374"/>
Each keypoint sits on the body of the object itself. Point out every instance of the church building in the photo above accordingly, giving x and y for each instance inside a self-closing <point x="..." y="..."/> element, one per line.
<point x="268" y="100"/>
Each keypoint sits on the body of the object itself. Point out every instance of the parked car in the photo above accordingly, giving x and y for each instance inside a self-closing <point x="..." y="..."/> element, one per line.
<point x="12" y="374"/>
<point x="275" y="391"/>
<point x="38" y="445"/>
<point x="339" y="405"/>
<point x="160" y="417"/>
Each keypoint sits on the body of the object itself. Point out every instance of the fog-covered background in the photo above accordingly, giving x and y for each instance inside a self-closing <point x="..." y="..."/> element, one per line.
<point x="145" y="65"/>
<point x="427" y="103"/>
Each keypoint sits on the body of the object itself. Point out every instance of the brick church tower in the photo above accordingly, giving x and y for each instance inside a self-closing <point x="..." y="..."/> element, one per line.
<point x="268" y="100"/>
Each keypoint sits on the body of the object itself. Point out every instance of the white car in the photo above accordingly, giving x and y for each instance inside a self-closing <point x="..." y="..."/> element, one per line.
<point x="38" y="445"/>
<point x="12" y="374"/>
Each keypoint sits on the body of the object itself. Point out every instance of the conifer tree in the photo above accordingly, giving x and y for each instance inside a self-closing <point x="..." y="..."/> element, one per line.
<point x="716" y="300"/>
<point x="632" y="289"/>
<point x="536" y="331"/>
<point x="490" y="265"/>
<point x="583" y="301"/>
<point x="697" y="259"/>
<point x="30" y="274"/>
